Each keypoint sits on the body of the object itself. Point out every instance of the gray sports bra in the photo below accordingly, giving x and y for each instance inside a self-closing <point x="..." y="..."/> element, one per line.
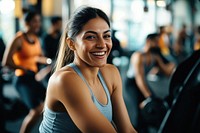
<point x="60" y="122"/>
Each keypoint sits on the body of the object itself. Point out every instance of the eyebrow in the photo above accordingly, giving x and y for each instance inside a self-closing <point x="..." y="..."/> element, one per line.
<point x="93" y="32"/>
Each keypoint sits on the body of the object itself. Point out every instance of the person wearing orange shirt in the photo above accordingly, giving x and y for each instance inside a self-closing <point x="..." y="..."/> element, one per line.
<point x="23" y="55"/>
<point x="197" y="42"/>
<point x="163" y="41"/>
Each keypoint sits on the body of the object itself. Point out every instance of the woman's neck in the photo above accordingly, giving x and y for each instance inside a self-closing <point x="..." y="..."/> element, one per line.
<point x="89" y="72"/>
<point x="30" y="37"/>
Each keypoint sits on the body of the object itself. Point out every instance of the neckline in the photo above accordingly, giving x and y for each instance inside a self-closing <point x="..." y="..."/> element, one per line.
<point x="90" y="89"/>
<point x="104" y="88"/>
<point x="28" y="40"/>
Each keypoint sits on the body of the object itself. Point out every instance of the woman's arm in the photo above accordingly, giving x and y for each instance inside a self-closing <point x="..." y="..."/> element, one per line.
<point x="72" y="92"/>
<point x="120" y="114"/>
<point x="8" y="55"/>
<point x="137" y="62"/>
<point x="167" y="69"/>
<point x="44" y="60"/>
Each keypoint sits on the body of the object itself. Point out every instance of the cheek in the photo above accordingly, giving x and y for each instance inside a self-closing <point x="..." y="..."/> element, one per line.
<point x="109" y="45"/>
<point x="82" y="49"/>
<point x="85" y="46"/>
<point x="37" y="25"/>
<point x="87" y="49"/>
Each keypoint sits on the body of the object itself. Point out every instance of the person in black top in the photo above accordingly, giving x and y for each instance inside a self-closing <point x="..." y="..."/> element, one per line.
<point x="52" y="38"/>
<point x="51" y="44"/>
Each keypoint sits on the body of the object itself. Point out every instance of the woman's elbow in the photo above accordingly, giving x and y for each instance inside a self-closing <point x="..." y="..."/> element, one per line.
<point x="4" y="62"/>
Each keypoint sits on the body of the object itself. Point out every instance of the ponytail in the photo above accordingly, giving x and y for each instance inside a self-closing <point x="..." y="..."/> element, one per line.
<point x="64" y="55"/>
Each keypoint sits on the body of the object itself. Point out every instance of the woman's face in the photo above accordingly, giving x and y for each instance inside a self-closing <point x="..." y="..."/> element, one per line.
<point x="35" y="24"/>
<point x="93" y="43"/>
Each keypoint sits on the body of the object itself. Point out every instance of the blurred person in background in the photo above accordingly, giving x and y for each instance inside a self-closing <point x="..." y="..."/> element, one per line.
<point x="51" y="43"/>
<point x="52" y="38"/>
<point x="85" y="93"/>
<point x="169" y="31"/>
<point x="137" y="86"/>
<point x="23" y="55"/>
<point x="197" y="39"/>
<point x="182" y="44"/>
<point x="164" y="43"/>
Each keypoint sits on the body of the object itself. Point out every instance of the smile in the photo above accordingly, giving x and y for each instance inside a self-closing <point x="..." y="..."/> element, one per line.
<point x="99" y="53"/>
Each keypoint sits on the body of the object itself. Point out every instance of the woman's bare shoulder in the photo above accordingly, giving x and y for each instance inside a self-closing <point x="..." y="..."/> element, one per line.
<point x="108" y="68"/>
<point x="63" y="76"/>
<point x="67" y="87"/>
<point x="137" y="57"/>
<point x="65" y="83"/>
<point x="111" y="76"/>
<point x="18" y="37"/>
<point x="16" y="42"/>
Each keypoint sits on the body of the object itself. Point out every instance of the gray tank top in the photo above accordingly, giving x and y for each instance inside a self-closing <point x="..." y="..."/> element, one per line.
<point x="147" y="68"/>
<point x="60" y="122"/>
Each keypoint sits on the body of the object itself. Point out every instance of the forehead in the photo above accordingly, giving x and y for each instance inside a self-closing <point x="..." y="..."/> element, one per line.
<point x="96" y="24"/>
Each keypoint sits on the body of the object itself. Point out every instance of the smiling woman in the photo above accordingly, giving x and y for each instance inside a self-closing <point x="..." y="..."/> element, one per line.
<point x="85" y="93"/>
<point x="93" y="43"/>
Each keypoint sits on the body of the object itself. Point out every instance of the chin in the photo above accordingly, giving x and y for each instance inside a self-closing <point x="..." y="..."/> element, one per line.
<point x="101" y="64"/>
<point x="36" y="31"/>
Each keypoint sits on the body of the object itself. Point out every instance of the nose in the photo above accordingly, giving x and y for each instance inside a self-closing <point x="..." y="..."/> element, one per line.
<point x="101" y="43"/>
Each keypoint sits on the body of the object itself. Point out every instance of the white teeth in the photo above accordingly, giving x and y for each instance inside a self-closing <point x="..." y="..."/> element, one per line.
<point x="98" y="53"/>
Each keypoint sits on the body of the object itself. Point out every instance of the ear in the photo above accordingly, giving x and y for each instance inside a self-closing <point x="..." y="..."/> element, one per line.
<point x="70" y="44"/>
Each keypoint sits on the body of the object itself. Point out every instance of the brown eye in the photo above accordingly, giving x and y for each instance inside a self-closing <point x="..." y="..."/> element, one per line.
<point x="107" y="36"/>
<point x="90" y="37"/>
